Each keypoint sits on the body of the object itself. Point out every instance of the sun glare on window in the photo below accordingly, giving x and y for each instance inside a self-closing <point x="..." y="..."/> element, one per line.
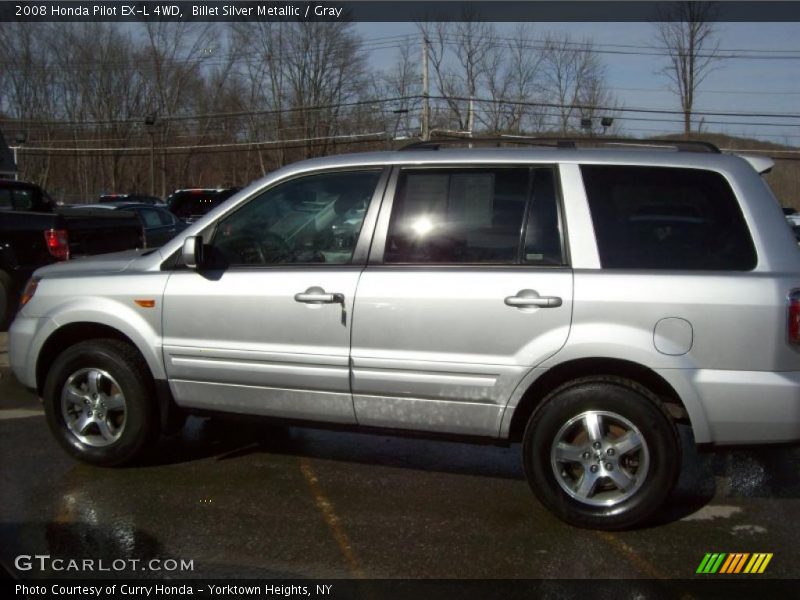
<point x="422" y="226"/>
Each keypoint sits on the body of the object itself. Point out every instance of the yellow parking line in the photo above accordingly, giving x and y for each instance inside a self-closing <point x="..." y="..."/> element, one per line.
<point x="629" y="553"/>
<point x="331" y="519"/>
<point x="642" y="564"/>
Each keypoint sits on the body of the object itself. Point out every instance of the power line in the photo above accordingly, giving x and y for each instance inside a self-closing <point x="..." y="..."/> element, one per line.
<point x="704" y="91"/>
<point x="215" y="150"/>
<point x="651" y="119"/>
<point x="651" y="130"/>
<point x="561" y="40"/>
<point x="218" y="115"/>
<point x="376" y="44"/>
<point x="378" y="101"/>
<point x="452" y="38"/>
<point x="232" y="145"/>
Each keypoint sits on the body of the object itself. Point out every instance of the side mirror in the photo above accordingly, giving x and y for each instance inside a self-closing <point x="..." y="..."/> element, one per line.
<point x="192" y="252"/>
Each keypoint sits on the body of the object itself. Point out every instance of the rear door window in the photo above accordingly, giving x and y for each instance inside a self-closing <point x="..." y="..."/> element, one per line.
<point x="667" y="218"/>
<point x="475" y="216"/>
<point x="543" y="235"/>
<point x="164" y="217"/>
<point x="150" y="217"/>
<point x="457" y="216"/>
<point x="23" y="199"/>
<point x="17" y="198"/>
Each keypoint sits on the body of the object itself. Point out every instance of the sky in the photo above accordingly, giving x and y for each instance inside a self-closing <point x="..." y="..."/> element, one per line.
<point x="735" y="85"/>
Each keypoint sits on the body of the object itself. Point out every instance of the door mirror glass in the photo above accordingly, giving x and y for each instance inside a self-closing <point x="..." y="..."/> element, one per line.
<point x="192" y="253"/>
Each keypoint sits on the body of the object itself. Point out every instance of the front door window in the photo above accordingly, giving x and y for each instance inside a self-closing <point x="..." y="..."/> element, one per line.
<point x="310" y="220"/>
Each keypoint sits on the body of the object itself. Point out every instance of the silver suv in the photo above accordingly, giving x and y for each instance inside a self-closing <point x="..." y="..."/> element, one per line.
<point x="581" y="300"/>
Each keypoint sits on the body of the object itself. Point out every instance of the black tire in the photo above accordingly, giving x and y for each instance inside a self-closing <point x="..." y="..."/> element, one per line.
<point x="622" y="406"/>
<point x="7" y="301"/>
<point x="136" y="427"/>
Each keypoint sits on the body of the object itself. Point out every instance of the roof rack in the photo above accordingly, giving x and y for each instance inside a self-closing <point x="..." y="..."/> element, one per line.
<point x="559" y="142"/>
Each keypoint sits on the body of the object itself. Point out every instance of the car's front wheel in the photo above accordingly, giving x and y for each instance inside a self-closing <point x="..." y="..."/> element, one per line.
<point x="602" y="453"/>
<point x="99" y="402"/>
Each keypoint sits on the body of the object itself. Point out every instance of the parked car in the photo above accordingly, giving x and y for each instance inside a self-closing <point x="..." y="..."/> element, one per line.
<point x="133" y="198"/>
<point x="35" y="232"/>
<point x="792" y="218"/>
<point x="582" y="301"/>
<point x="192" y="203"/>
<point x="159" y="224"/>
<point x="24" y="196"/>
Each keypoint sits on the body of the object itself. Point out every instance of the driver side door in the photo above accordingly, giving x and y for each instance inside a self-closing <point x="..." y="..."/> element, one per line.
<point x="265" y="327"/>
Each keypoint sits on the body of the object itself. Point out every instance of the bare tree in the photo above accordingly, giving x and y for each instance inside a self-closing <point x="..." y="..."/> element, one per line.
<point x="171" y="60"/>
<point x="263" y="85"/>
<point x="99" y="82"/>
<point x="28" y="91"/>
<point x="686" y="32"/>
<point x="498" y="81"/>
<point x="512" y="78"/>
<point x="458" y="59"/>
<point x="574" y="76"/>
<point x="404" y="81"/>
<point x="308" y="72"/>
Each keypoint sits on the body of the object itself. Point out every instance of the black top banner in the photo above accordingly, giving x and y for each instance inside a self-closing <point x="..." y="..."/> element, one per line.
<point x="391" y="10"/>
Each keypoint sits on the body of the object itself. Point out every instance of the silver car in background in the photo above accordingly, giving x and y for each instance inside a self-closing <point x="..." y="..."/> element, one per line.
<point x="581" y="301"/>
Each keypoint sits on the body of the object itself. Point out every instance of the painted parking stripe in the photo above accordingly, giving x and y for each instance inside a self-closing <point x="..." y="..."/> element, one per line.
<point x="19" y="413"/>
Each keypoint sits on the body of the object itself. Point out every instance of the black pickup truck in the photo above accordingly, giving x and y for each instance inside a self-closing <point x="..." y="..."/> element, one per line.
<point x="35" y="232"/>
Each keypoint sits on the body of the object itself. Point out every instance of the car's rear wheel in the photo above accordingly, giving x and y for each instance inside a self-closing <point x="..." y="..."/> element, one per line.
<point x="100" y="404"/>
<point x="602" y="452"/>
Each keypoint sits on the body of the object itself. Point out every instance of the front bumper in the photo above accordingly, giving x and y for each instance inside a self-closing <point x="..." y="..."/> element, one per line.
<point x="25" y="338"/>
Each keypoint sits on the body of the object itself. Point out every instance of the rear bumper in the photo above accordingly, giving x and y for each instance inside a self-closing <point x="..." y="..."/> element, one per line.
<point x="740" y="407"/>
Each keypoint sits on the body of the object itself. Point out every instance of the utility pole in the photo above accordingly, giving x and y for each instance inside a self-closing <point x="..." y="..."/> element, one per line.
<point x="20" y="140"/>
<point x="426" y="109"/>
<point x="16" y="163"/>
<point x="150" y="122"/>
<point x="163" y="163"/>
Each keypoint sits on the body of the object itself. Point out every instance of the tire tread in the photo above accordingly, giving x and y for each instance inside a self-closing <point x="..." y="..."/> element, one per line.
<point x="142" y="386"/>
<point x="584" y="517"/>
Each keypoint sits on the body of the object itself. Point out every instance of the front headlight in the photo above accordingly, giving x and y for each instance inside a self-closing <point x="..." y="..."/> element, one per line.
<point x="29" y="291"/>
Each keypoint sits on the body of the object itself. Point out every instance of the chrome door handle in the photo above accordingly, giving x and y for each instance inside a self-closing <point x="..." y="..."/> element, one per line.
<point x="317" y="295"/>
<point x="531" y="298"/>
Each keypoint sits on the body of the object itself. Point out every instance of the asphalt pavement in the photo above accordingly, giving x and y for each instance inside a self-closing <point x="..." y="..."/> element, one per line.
<point x="241" y="499"/>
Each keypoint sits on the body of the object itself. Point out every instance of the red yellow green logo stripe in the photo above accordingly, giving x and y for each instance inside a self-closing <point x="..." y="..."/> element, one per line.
<point x="734" y="563"/>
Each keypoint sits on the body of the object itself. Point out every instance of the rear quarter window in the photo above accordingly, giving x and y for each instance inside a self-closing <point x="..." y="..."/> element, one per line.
<point x="667" y="218"/>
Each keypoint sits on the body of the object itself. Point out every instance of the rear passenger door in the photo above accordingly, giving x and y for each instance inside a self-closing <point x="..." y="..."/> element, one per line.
<point x="468" y="286"/>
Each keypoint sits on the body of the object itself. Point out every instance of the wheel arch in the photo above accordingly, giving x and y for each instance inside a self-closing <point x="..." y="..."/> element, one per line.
<point x="69" y="335"/>
<point x="541" y="386"/>
<point x="76" y="332"/>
